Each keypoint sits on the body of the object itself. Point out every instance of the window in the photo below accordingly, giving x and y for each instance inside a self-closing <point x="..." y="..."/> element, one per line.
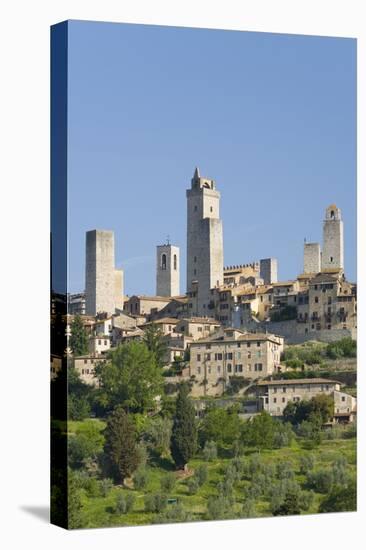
<point x="316" y="299"/>
<point x="99" y="342"/>
<point x="198" y="357"/>
<point x="238" y="355"/>
<point x="343" y="398"/>
<point x="258" y="344"/>
<point x="229" y="368"/>
<point x="275" y="400"/>
<point x="208" y="346"/>
<point x="284" y="389"/>
<point x="163" y="261"/>
<point x="211" y="209"/>
<point x="248" y="344"/>
<point x="105" y="342"/>
<point x="274" y="390"/>
<point x="175" y="262"/>
<point x="85" y="361"/>
<point x="218" y="356"/>
<point x="199" y="329"/>
<point x="229" y="356"/>
<point x="208" y="357"/>
<point x="283" y="399"/>
<point x="239" y="344"/>
<point x="195" y="208"/>
<point x="329" y="300"/>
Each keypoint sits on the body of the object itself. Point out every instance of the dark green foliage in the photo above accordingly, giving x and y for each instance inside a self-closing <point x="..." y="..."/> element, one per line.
<point x="220" y="425"/>
<point x="125" y="503"/>
<point x="78" y="339"/>
<point x="289" y="506"/>
<point x="318" y="409"/>
<point x="266" y="432"/>
<point x="155" y="502"/>
<point x="78" y="406"/>
<point x="210" y="451"/>
<point x="74" y="503"/>
<point x="140" y="479"/>
<point x="320" y="480"/>
<point x="341" y="498"/>
<point x="346" y="347"/>
<point x="155" y="343"/>
<point x="120" y="448"/>
<point x="157" y="434"/>
<point x="167" y="483"/>
<point x="86" y="444"/>
<point x="131" y="378"/>
<point x="183" y="442"/>
<point x="287" y="313"/>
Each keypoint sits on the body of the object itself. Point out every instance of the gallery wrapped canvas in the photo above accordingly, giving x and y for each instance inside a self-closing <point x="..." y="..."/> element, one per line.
<point x="203" y="276"/>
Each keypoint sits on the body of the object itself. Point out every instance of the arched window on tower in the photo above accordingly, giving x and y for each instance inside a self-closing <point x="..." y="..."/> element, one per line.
<point x="175" y="261"/>
<point x="332" y="215"/>
<point x="163" y="261"/>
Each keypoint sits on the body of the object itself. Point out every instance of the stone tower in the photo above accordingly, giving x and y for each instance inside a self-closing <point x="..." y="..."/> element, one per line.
<point x="102" y="281"/>
<point x="312" y="257"/>
<point x="332" y="255"/>
<point x="167" y="270"/>
<point x="205" y="258"/>
<point x="268" y="270"/>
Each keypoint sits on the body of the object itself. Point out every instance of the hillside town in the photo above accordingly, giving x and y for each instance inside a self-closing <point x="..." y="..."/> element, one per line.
<point x="229" y="331"/>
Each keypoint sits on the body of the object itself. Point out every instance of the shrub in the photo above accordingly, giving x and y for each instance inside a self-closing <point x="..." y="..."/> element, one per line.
<point x="341" y="499"/>
<point x="210" y="451"/>
<point x="193" y="485"/>
<point x="105" y="486"/>
<point x="140" y="479"/>
<point x="125" y="503"/>
<point x="307" y="463"/>
<point x="248" y="508"/>
<point x="201" y="474"/>
<point x="219" y="507"/>
<point x="167" y="483"/>
<point x="155" y="502"/>
<point x="320" y="481"/>
<point x="173" y="514"/>
<point x="285" y="470"/>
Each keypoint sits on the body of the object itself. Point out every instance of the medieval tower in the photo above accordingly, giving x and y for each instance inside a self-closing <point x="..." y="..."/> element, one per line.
<point x="332" y="254"/>
<point x="205" y="258"/>
<point x="103" y="283"/>
<point x="167" y="270"/>
<point x="312" y="257"/>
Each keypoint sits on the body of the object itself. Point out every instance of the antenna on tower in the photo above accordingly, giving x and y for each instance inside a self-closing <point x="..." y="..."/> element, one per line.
<point x="168" y="239"/>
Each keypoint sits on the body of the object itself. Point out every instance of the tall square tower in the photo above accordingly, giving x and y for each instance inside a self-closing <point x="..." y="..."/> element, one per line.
<point x="332" y="254"/>
<point x="100" y="277"/>
<point x="205" y="258"/>
<point x="268" y="270"/>
<point x="312" y="257"/>
<point x="167" y="270"/>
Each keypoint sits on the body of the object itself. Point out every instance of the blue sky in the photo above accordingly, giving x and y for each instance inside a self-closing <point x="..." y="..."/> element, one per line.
<point x="270" y="117"/>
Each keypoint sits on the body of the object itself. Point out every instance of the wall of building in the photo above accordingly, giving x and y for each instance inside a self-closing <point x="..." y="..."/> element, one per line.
<point x="99" y="272"/>
<point x="312" y="258"/>
<point x="167" y="272"/>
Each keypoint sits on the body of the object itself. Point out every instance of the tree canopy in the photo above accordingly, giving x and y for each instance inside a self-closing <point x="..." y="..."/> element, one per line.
<point x="78" y="339"/>
<point x="183" y="442"/>
<point x="131" y="378"/>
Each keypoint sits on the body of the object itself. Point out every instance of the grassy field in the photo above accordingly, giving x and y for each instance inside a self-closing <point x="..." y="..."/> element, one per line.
<point x="101" y="511"/>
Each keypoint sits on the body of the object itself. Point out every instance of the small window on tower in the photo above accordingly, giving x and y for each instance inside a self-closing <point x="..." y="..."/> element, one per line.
<point x="163" y="261"/>
<point x="175" y="262"/>
<point x="211" y="209"/>
<point x="195" y="208"/>
<point x="332" y="215"/>
<point x="331" y="259"/>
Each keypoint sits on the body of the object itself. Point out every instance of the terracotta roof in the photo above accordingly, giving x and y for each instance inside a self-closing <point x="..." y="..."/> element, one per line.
<point x="299" y="381"/>
<point x="202" y="320"/>
<point x="323" y="278"/>
<point x="163" y="321"/>
<point x="153" y="298"/>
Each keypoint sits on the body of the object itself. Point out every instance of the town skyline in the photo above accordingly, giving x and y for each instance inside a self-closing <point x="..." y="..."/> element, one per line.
<point x="281" y="147"/>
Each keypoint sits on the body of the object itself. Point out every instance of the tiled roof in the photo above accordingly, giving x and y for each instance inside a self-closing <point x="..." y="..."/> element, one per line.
<point x="297" y="381"/>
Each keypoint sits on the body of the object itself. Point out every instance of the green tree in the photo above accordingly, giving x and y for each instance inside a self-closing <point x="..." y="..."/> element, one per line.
<point x="155" y="343"/>
<point x="78" y="339"/>
<point x="131" y="378"/>
<point x="341" y="499"/>
<point x="74" y="503"/>
<point x="78" y="406"/>
<point x="265" y="432"/>
<point x="220" y="425"/>
<point x="183" y="442"/>
<point x="86" y="444"/>
<point x="318" y="409"/>
<point x="210" y="451"/>
<point x="120" y="448"/>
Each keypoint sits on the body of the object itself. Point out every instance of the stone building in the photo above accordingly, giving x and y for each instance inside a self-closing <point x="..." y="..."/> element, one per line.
<point x="268" y="270"/>
<point x="235" y="353"/>
<point x="274" y="395"/>
<point x="205" y="262"/>
<point x="76" y="304"/>
<point x="145" y="305"/>
<point x="239" y="274"/>
<point x="167" y="270"/>
<point x="103" y="283"/>
<point x="333" y="254"/>
<point x="312" y="258"/>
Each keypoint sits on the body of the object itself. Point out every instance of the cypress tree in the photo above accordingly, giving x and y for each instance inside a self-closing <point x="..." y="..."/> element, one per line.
<point x="121" y="451"/>
<point x="78" y="338"/>
<point x="183" y="442"/>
